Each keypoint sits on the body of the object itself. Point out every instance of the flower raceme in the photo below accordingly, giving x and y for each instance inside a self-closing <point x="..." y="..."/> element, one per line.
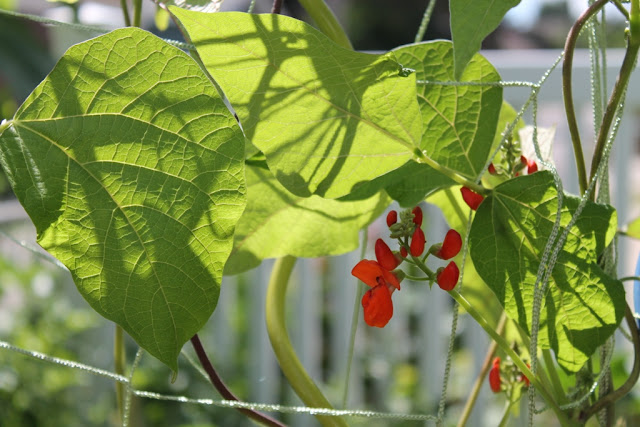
<point x="383" y="276"/>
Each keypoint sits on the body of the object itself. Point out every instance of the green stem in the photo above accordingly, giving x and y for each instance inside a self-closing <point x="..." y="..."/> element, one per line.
<point x="507" y="413"/>
<point x="120" y="363"/>
<point x="5" y="125"/>
<point x="421" y="157"/>
<point x="567" y="90"/>
<point x="486" y="365"/>
<point x="125" y="13"/>
<point x="628" y="64"/>
<point x="137" y="13"/>
<point x="326" y="21"/>
<point x="297" y="376"/>
<point x="558" y="390"/>
<point x="562" y="418"/>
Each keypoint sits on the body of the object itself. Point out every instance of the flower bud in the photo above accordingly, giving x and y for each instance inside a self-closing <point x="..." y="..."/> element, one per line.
<point x="384" y="255"/>
<point x="417" y="216"/>
<point x="450" y="246"/>
<point x="417" y="242"/>
<point x="471" y="198"/>
<point x="392" y="218"/>
<point x="447" y="277"/>
<point x="532" y="167"/>
<point x="492" y="169"/>
<point x="494" y="376"/>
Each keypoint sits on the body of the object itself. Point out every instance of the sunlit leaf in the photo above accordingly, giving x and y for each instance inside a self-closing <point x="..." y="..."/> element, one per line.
<point x="131" y="168"/>
<point x="277" y="223"/>
<point x="582" y="306"/>
<point x="328" y="119"/>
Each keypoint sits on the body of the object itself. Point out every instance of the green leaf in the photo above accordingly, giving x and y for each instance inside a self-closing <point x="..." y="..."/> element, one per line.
<point x="328" y="119"/>
<point x="277" y="223"/>
<point x="132" y="170"/>
<point x="471" y="22"/>
<point x="633" y="229"/>
<point x="582" y="306"/>
<point x="459" y="121"/>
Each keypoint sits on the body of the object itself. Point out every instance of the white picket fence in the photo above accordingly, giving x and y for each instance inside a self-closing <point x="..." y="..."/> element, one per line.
<point x="414" y="344"/>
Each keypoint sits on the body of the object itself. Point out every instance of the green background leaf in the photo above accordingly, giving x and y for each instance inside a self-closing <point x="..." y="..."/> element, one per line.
<point x="131" y="168"/>
<point x="328" y="119"/>
<point x="471" y="22"/>
<point x="277" y="223"/>
<point x="633" y="229"/>
<point x="459" y="121"/>
<point x="583" y="305"/>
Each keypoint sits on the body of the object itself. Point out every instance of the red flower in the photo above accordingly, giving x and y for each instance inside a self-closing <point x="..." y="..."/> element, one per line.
<point x="524" y="378"/>
<point x="392" y="218"/>
<point x="377" y="306"/>
<point x="450" y="246"/>
<point x="447" y="277"/>
<point x="384" y="256"/>
<point x="417" y="242"/>
<point x="403" y="252"/>
<point x="492" y="169"/>
<point x="494" y="376"/>
<point x="471" y="198"/>
<point x="532" y="167"/>
<point x="376" y="302"/>
<point x="370" y="273"/>
<point x="417" y="216"/>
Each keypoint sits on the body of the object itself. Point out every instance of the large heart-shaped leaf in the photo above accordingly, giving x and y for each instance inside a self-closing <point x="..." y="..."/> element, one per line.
<point x="277" y="223"/>
<point x="328" y="119"/>
<point x="459" y="121"/>
<point x="471" y="22"/>
<point x="582" y="306"/>
<point x="131" y="168"/>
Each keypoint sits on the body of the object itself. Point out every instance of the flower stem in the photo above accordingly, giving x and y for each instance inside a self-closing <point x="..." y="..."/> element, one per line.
<point x="224" y="390"/>
<point x="421" y="157"/>
<point x="425" y="21"/>
<point x="137" y="13"/>
<point x="486" y="365"/>
<point x="326" y="21"/>
<point x="562" y="418"/>
<point x="567" y="89"/>
<point x="297" y="376"/>
<point x="119" y="362"/>
<point x="125" y="13"/>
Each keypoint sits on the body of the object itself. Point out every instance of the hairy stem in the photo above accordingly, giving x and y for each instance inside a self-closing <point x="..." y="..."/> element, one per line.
<point x="486" y="365"/>
<point x="326" y="21"/>
<point x="567" y="89"/>
<point x="421" y="157"/>
<point x="297" y="376"/>
<point x="633" y="377"/>
<point x="224" y="390"/>
<point x="425" y="21"/>
<point x="628" y="64"/>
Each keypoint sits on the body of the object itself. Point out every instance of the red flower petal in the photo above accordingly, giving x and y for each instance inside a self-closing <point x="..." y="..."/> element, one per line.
<point x="392" y="218"/>
<point x="372" y="273"/>
<point x="403" y="252"/>
<point x="368" y="271"/>
<point x="377" y="306"/>
<point x="450" y="246"/>
<point x="384" y="256"/>
<point x="417" y="216"/>
<point x="532" y="167"/>
<point x="448" y="276"/>
<point x="494" y="376"/>
<point x="492" y="169"/>
<point x="417" y="242"/>
<point x="471" y="198"/>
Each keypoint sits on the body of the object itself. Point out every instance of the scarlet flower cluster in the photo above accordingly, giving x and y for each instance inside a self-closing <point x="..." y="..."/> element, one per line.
<point x="382" y="275"/>
<point x="513" y="375"/>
